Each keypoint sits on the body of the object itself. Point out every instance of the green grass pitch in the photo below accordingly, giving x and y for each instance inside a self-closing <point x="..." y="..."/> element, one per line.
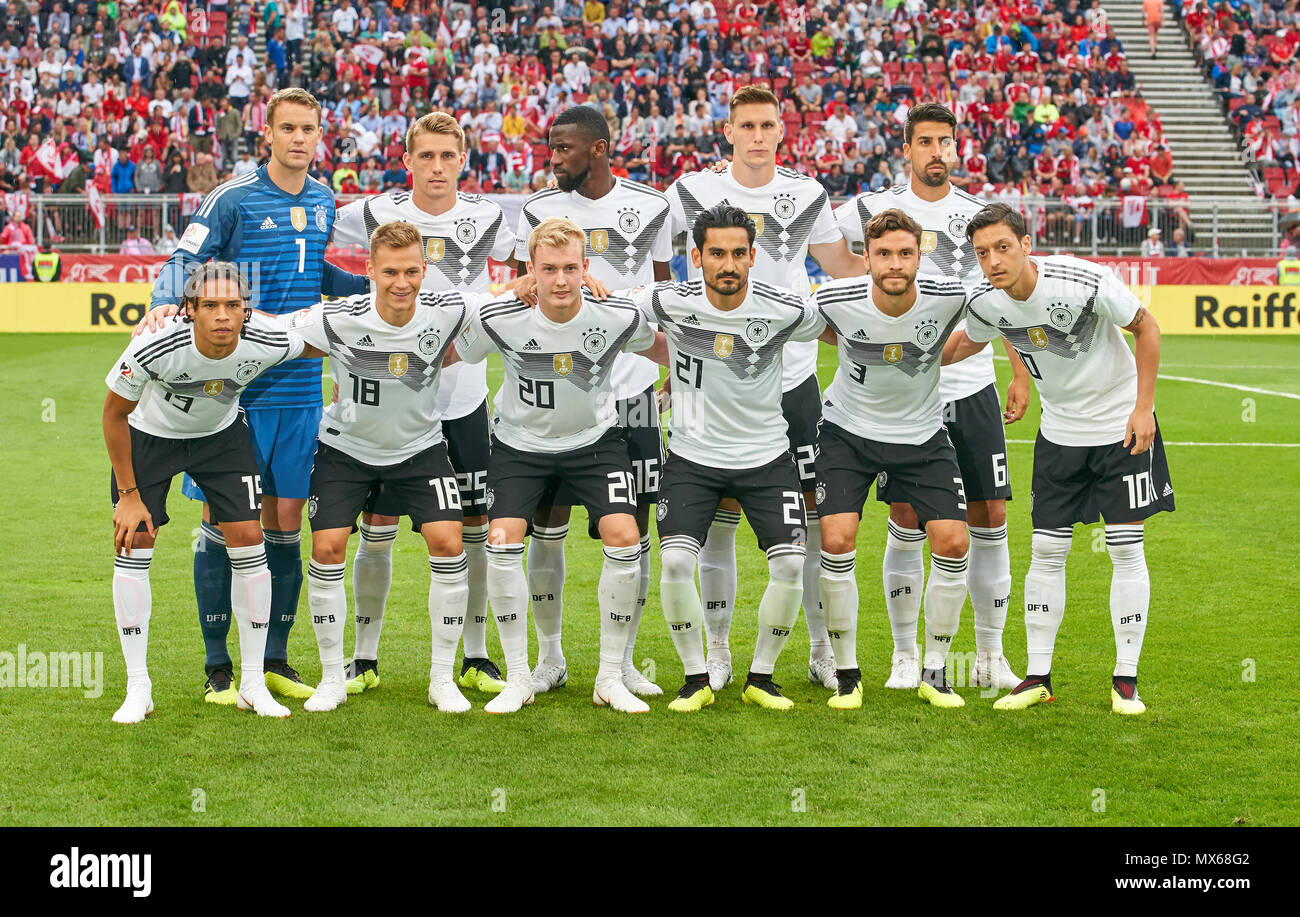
<point x="1218" y="670"/>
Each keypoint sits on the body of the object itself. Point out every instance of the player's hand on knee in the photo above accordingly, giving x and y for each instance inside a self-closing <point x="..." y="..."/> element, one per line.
<point x="155" y="319"/>
<point x="1141" y="428"/>
<point x="127" y="516"/>
<point x="334" y="395"/>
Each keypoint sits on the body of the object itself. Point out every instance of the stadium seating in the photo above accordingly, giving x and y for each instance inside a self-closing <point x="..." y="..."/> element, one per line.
<point x="415" y="56"/>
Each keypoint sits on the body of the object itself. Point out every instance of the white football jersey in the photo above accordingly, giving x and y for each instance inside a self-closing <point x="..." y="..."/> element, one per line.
<point x="180" y="393"/>
<point x="944" y="251"/>
<point x="388" y="376"/>
<point x="558" y="393"/>
<point x="627" y="232"/>
<point x="886" y="388"/>
<point x="726" y="369"/>
<point x="790" y="212"/>
<point x="457" y="245"/>
<point x="1068" y="333"/>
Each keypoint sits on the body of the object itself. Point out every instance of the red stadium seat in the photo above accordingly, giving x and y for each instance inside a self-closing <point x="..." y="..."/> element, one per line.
<point x="893" y="68"/>
<point x="600" y="64"/>
<point x="1274" y="173"/>
<point x="913" y="66"/>
<point x="541" y="154"/>
<point x="779" y="86"/>
<point x="936" y="66"/>
<point x="1234" y="104"/>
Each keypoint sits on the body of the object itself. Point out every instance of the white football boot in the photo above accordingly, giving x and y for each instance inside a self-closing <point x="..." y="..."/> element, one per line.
<point x="516" y="695"/>
<point x="905" y="675"/>
<point x="447" y="697"/>
<point x="138" y="703"/>
<point x="611" y="690"/>
<point x="255" y="696"/>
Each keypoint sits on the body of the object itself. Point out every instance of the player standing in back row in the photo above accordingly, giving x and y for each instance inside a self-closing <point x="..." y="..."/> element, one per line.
<point x="628" y="244"/>
<point x="971" y="411"/>
<point x="1099" y="451"/>
<point x="793" y="219"/>
<point x="460" y="232"/>
<point x="275" y="223"/>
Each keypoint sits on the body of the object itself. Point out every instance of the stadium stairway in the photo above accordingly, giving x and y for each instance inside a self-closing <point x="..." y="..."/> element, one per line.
<point x="1206" y="157"/>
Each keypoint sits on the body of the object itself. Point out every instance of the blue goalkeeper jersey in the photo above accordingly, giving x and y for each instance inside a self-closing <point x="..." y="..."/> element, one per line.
<point x="279" y="240"/>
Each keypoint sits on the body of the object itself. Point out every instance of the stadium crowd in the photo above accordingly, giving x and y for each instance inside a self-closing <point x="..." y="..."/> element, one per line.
<point x="149" y="96"/>
<point x="1249" y="49"/>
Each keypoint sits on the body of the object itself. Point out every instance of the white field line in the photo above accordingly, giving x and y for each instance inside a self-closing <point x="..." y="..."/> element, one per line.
<point x="1030" y="442"/>
<point x="1240" y="388"/>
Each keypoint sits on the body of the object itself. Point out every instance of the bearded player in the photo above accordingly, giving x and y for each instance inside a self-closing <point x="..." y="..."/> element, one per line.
<point x="972" y="413"/>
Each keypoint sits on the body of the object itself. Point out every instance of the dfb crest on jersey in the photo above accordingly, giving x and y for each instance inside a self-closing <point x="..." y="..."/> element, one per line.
<point x="312" y="505"/>
<point x="429" y="342"/>
<point x="893" y="353"/>
<point x="398" y="363"/>
<point x="321" y="221"/>
<point x="1061" y="317"/>
<point x="298" y="217"/>
<point x="247" y="371"/>
<point x="600" y="241"/>
<point x="490" y="497"/>
<point x="756" y="331"/>
<point x="434" y="249"/>
<point x="929" y="241"/>
<point x="784" y="206"/>
<point x="1038" y="337"/>
<point x="593" y="341"/>
<point x="881" y="480"/>
<point x="723" y="344"/>
<point x="662" y="512"/>
<point x="926" y="333"/>
<point x="821" y="494"/>
<point x="465" y="232"/>
<point x="213" y="388"/>
<point x="758" y="223"/>
<point x="628" y="221"/>
<point x="957" y="227"/>
<point x="563" y="363"/>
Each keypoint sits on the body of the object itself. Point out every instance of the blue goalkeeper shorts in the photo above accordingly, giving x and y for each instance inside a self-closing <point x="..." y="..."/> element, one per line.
<point x="284" y="441"/>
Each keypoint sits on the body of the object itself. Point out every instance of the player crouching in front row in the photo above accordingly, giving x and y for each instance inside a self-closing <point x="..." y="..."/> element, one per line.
<point x="386" y="352"/>
<point x="884" y="423"/>
<point x="1099" y="451"/>
<point x="172" y="407"/>
<point x="556" y="424"/>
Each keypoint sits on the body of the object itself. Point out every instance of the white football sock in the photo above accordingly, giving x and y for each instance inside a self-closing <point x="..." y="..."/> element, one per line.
<point x="989" y="582"/>
<point x="448" y="595"/>
<point x="779" y="607"/>
<point x="546" y="585"/>
<point x="508" y="595"/>
<point x="250" y="603"/>
<point x="132" y="607"/>
<point x="718" y="577"/>
<point x="328" y="599"/>
<point x="678" y="555"/>
<point x="1045" y="596"/>
<point x="945" y="594"/>
<point x="819" y="642"/>
<point x="643" y="589"/>
<point x="617" y="598"/>
<point x="904" y="576"/>
<point x="372" y="576"/>
<point x="475" y="637"/>
<point x="1130" y="595"/>
<point x="839" y="589"/>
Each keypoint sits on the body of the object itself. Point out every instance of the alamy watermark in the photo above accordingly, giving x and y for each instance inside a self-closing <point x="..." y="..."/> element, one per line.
<point x="35" y="669"/>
